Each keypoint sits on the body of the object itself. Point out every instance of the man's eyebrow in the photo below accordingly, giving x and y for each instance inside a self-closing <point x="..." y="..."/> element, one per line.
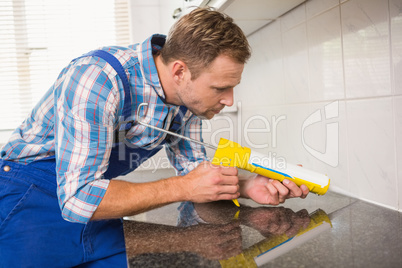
<point x="225" y="87"/>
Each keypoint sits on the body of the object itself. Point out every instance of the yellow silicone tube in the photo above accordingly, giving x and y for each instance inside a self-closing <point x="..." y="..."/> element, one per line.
<point x="230" y="153"/>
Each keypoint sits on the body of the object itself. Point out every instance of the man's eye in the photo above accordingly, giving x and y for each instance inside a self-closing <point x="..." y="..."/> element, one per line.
<point x="221" y="89"/>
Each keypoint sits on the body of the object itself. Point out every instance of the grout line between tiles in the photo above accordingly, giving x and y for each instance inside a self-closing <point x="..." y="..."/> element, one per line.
<point x="318" y="102"/>
<point x="393" y="90"/>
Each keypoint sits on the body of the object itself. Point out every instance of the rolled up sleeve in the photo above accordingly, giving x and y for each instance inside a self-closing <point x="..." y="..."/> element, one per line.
<point x="85" y="116"/>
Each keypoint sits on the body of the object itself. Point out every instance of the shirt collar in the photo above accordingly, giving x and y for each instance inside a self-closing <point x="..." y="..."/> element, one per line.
<point x="147" y="49"/>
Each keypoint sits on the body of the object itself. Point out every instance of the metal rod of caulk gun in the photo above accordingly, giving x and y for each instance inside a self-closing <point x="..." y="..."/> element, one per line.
<point x="170" y="132"/>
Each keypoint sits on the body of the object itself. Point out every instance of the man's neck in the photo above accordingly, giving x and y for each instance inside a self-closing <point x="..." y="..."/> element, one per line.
<point x="166" y="81"/>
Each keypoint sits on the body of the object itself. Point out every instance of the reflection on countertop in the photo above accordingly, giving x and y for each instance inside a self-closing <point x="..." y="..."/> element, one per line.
<point x="319" y="231"/>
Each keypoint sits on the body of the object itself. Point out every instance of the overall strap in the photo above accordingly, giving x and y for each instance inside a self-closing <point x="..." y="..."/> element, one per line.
<point x="116" y="65"/>
<point x="177" y="122"/>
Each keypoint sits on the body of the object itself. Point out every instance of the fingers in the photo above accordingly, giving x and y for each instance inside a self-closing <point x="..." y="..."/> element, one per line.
<point x="225" y="170"/>
<point x="279" y="193"/>
<point x="228" y="242"/>
<point x="208" y="167"/>
<point x="211" y="182"/>
<point x="228" y="183"/>
<point x="228" y="171"/>
<point x="305" y="191"/>
<point x="228" y="189"/>
<point x="227" y="192"/>
<point x="274" y="197"/>
<point x="227" y="196"/>
<point x="226" y="179"/>
<point x="295" y="190"/>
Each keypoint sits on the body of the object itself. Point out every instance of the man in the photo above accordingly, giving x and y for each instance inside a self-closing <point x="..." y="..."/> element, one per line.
<point x="68" y="145"/>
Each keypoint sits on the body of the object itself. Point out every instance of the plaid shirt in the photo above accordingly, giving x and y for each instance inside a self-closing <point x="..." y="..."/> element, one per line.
<point x="77" y="117"/>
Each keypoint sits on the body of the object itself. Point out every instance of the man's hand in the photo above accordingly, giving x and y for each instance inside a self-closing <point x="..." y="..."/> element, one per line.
<point x="213" y="241"/>
<point x="271" y="192"/>
<point x="209" y="182"/>
<point x="272" y="221"/>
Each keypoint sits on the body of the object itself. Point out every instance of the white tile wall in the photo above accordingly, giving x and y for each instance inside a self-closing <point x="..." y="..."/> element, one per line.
<point x="315" y="7"/>
<point x="371" y="152"/>
<point x="396" y="41"/>
<point x="274" y="123"/>
<point x="295" y="56"/>
<point x="271" y="60"/>
<point x="333" y="51"/>
<point x="325" y="56"/>
<point x="151" y="17"/>
<point x="143" y="25"/>
<point x="398" y="144"/>
<point x="291" y="19"/>
<point x="365" y="27"/>
<point x="317" y="137"/>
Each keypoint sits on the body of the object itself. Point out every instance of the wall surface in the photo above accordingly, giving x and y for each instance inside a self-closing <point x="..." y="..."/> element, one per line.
<point x="151" y="17"/>
<point x="326" y="81"/>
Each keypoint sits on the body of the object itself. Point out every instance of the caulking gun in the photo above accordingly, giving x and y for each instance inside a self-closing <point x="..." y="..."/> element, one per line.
<point x="229" y="153"/>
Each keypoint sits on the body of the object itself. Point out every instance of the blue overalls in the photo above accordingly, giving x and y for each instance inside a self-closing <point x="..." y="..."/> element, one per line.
<point x="32" y="231"/>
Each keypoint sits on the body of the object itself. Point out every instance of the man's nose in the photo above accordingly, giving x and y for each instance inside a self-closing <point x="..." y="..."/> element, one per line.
<point x="227" y="98"/>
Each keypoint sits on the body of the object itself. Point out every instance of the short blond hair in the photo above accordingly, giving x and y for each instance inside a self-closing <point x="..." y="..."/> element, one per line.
<point x="200" y="36"/>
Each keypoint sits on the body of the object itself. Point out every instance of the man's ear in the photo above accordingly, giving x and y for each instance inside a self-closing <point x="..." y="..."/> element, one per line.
<point x="180" y="71"/>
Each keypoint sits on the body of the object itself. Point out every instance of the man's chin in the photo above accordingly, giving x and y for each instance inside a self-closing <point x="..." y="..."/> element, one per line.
<point x="206" y="116"/>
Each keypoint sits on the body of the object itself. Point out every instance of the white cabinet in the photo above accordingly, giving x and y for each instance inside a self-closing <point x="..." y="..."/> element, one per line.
<point x="250" y="15"/>
<point x="189" y="4"/>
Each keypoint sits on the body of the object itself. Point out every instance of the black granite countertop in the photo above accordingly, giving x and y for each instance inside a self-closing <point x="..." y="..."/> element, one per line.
<point x="319" y="231"/>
